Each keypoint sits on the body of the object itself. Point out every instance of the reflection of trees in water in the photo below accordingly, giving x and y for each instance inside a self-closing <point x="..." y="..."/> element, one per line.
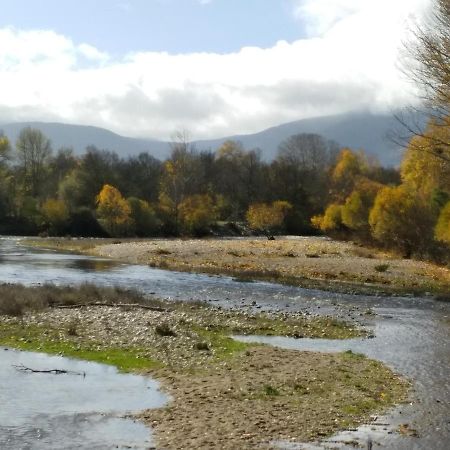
<point x="93" y="265"/>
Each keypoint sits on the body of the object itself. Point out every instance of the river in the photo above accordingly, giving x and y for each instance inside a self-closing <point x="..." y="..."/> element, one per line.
<point x="411" y="335"/>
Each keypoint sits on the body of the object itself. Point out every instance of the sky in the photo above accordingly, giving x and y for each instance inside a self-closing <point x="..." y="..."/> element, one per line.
<point x="147" y="68"/>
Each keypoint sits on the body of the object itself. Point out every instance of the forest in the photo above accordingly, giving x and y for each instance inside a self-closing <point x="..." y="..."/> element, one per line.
<point x="312" y="186"/>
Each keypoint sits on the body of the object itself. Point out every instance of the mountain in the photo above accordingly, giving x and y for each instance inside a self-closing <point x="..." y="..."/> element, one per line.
<point x="357" y="130"/>
<point x="79" y="137"/>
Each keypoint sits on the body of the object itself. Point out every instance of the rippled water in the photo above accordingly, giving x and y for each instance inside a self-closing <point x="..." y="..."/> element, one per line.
<point x="411" y="334"/>
<point x="82" y="409"/>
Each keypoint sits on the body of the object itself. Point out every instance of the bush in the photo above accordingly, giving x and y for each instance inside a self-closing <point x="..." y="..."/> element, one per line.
<point x="382" y="267"/>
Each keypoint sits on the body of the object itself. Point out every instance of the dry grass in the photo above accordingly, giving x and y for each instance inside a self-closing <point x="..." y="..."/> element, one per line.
<point x="16" y="300"/>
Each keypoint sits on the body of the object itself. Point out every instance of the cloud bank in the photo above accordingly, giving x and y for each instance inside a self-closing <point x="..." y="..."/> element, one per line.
<point x="348" y="62"/>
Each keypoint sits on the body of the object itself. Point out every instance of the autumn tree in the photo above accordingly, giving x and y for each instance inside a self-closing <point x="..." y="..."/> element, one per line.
<point x="33" y="151"/>
<point x="422" y="168"/>
<point x="113" y="211"/>
<point x="401" y="219"/>
<point x="355" y="211"/>
<point x="267" y="218"/>
<point x="55" y="214"/>
<point x="197" y="213"/>
<point x="442" y="230"/>
<point x="349" y="168"/>
<point x="330" y="221"/>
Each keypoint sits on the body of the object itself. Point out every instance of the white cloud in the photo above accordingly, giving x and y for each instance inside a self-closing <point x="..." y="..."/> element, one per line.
<point x="92" y="53"/>
<point x="349" y="62"/>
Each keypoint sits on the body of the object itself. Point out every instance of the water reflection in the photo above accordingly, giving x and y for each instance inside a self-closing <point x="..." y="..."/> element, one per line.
<point x="92" y="265"/>
<point x="43" y="411"/>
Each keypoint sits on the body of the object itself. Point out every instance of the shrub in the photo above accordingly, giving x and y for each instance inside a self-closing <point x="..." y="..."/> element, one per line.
<point x="382" y="267"/>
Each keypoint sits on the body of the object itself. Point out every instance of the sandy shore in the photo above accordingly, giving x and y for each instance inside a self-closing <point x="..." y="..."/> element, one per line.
<point x="309" y="262"/>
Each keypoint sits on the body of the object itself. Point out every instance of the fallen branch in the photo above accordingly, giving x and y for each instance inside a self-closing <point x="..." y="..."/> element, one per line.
<point x="112" y="305"/>
<point x="23" y="368"/>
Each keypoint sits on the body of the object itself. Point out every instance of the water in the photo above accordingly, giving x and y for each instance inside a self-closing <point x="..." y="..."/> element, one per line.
<point x="82" y="409"/>
<point x="411" y="334"/>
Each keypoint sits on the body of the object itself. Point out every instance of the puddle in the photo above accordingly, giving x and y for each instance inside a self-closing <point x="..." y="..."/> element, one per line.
<point x="67" y="411"/>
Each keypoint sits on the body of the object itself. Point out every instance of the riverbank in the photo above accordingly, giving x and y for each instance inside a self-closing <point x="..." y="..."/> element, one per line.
<point x="225" y="394"/>
<point x="309" y="262"/>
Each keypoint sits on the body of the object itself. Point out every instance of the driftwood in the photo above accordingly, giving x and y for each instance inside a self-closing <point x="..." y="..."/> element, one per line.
<point x="112" y="305"/>
<point x="23" y="368"/>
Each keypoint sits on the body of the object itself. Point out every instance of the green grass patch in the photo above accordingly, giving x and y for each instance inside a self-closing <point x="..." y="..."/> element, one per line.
<point x="222" y="346"/>
<point x="40" y="339"/>
<point x="352" y="355"/>
<point x="271" y="391"/>
<point x="381" y="267"/>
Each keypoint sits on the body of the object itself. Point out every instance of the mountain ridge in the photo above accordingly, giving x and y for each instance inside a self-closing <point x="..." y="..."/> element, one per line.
<point x="367" y="131"/>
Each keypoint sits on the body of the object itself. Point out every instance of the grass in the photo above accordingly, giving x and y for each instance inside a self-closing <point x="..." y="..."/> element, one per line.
<point x="381" y="267"/>
<point x="41" y="339"/>
<point x="223" y="346"/>
<point x="16" y="300"/>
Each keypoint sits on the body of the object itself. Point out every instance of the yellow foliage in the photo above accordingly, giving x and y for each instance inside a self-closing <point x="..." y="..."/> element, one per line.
<point x="442" y="230"/>
<point x="400" y="218"/>
<point x="421" y="168"/>
<point x="355" y="211"/>
<point x="55" y="212"/>
<point x="113" y="210"/>
<point x="197" y="212"/>
<point x="266" y="217"/>
<point x="331" y="220"/>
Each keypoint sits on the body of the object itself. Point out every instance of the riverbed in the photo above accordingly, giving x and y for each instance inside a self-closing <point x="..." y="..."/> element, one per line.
<point x="410" y="334"/>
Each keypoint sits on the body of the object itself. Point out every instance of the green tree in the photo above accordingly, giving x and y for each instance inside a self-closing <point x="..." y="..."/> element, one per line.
<point x="143" y="217"/>
<point x="113" y="211"/>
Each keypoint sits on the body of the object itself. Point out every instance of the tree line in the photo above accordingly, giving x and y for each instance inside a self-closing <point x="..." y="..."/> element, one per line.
<point x="311" y="186"/>
<point x="99" y="193"/>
